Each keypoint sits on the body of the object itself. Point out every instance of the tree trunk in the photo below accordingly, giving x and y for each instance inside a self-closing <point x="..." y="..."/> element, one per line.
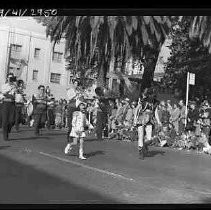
<point x="149" y="69"/>
<point x="102" y="74"/>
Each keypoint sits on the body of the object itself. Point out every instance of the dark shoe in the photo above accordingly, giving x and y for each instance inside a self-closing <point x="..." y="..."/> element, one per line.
<point x="5" y="137"/>
<point x="146" y="149"/>
<point x="37" y="133"/>
<point x="141" y="153"/>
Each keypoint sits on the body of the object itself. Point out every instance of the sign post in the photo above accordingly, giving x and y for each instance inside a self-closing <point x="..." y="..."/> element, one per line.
<point x="190" y="81"/>
<point x="186" y="104"/>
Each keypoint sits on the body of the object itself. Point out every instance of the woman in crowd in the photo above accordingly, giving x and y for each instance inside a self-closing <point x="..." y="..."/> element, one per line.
<point x="182" y="117"/>
<point x="174" y="119"/>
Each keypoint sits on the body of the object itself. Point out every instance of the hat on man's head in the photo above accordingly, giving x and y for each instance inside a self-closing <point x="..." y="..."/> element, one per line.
<point x="192" y="103"/>
<point x="80" y="101"/>
<point x="10" y="75"/>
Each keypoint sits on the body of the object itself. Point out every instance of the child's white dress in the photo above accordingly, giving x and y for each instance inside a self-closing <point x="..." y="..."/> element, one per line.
<point x="79" y="122"/>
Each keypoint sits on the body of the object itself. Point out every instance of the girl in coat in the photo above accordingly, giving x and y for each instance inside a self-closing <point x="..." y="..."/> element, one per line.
<point x="79" y="126"/>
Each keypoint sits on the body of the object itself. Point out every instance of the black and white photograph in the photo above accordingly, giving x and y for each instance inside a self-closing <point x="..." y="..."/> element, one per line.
<point x="104" y="109"/>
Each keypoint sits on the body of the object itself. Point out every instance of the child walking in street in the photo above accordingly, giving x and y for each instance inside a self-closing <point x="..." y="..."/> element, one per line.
<point x="79" y="125"/>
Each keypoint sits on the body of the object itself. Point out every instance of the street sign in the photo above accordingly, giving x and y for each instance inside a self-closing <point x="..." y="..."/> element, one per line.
<point x="192" y="79"/>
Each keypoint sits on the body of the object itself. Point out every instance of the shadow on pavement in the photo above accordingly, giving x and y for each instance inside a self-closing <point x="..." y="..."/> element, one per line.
<point x="4" y="147"/>
<point x="153" y="153"/>
<point x="54" y="134"/>
<point x="29" y="138"/>
<point x="21" y="183"/>
<point x="206" y="200"/>
<point x="91" y="154"/>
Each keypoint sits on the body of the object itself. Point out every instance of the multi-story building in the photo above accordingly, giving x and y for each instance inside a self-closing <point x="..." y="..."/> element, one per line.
<point x="30" y="55"/>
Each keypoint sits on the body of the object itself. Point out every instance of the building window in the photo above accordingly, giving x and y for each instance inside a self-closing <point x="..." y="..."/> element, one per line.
<point x="36" y="52"/>
<point x="57" y="56"/>
<point x="15" y="50"/>
<point x="71" y="79"/>
<point x="55" y="78"/>
<point x="35" y="75"/>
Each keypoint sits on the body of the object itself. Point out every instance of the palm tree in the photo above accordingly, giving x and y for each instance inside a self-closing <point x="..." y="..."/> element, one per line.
<point x="107" y="38"/>
<point x="200" y="27"/>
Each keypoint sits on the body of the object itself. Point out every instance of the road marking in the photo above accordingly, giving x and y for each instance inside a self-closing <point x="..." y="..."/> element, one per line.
<point x="88" y="167"/>
<point x="123" y="177"/>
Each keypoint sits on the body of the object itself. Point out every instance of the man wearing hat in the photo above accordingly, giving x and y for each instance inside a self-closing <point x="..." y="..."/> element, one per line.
<point x="8" y="106"/>
<point x="40" y="109"/>
<point x="102" y="114"/>
<point x="142" y="119"/>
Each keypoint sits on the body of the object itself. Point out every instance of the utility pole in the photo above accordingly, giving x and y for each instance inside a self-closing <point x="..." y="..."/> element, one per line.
<point x="9" y="56"/>
<point x="28" y="58"/>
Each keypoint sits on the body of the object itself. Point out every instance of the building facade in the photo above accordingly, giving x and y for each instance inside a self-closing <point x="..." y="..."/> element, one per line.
<point x="32" y="58"/>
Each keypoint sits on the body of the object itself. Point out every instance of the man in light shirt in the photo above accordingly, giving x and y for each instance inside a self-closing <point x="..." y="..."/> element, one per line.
<point x="8" y="107"/>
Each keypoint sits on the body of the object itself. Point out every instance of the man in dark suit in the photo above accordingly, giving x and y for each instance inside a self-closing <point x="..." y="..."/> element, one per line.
<point x="102" y="114"/>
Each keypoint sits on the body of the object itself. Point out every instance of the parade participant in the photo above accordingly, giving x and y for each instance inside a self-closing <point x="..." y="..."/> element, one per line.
<point x="51" y="113"/>
<point x="79" y="126"/>
<point x="40" y="109"/>
<point x="142" y="118"/>
<point x="8" y="107"/>
<point x="72" y="94"/>
<point x="71" y="107"/>
<point x="102" y="114"/>
<point x="19" y="104"/>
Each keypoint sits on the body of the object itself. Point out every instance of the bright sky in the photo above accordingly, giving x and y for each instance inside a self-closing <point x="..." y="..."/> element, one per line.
<point x="25" y="23"/>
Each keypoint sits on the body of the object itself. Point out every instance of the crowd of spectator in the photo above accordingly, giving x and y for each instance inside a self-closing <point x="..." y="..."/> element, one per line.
<point x="168" y="121"/>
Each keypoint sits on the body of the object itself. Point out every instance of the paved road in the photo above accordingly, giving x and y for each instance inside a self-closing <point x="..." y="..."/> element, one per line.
<point x="35" y="170"/>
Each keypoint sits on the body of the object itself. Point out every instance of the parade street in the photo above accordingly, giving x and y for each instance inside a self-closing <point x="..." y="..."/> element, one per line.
<point x="36" y="170"/>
